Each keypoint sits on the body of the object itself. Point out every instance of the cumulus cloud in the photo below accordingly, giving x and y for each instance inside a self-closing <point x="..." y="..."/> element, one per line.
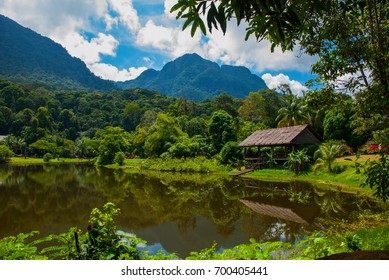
<point x="127" y="13"/>
<point x="231" y="48"/>
<point x="273" y="82"/>
<point x="54" y="17"/>
<point x="168" y="4"/>
<point x="90" y="51"/>
<point x="110" y="72"/>
<point x="170" y="40"/>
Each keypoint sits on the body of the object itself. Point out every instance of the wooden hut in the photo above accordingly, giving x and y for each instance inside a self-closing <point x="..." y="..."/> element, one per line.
<point x="291" y="137"/>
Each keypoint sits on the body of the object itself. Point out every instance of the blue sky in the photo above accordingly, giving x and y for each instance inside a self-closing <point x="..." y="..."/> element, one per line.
<point x="118" y="39"/>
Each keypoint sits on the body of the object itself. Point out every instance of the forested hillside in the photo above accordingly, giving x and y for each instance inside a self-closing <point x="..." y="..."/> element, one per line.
<point x="195" y="78"/>
<point x="144" y="123"/>
<point x="26" y="56"/>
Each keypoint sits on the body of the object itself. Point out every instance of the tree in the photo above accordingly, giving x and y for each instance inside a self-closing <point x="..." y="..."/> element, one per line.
<point x="281" y="22"/>
<point x="326" y="154"/>
<point x="226" y="102"/>
<point x="42" y="146"/>
<point x="221" y="130"/>
<point x="87" y="148"/>
<point x="230" y="153"/>
<point x="292" y="113"/>
<point x="252" y="107"/>
<point x="162" y="135"/>
<point x="132" y="116"/>
<point x="113" y="140"/>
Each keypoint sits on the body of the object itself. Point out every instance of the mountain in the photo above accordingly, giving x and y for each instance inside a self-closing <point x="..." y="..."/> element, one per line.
<point x="196" y="79"/>
<point x="26" y="56"/>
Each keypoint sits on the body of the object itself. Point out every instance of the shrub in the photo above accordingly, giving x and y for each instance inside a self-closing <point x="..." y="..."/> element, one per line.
<point x="119" y="158"/>
<point x="5" y="153"/>
<point x="298" y="161"/>
<point x="377" y="177"/>
<point x="47" y="157"/>
<point x="230" y="153"/>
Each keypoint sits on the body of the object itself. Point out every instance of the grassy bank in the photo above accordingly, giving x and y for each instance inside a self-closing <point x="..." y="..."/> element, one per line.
<point x="189" y="165"/>
<point x="31" y="160"/>
<point x="346" y="178"/>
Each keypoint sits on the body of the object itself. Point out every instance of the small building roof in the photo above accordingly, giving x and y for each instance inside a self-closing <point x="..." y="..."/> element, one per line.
<point x="292" y="135"/>
<point x="297" y="214"/>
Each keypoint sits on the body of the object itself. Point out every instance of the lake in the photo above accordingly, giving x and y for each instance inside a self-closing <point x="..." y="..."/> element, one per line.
<point x="172" y="211"/>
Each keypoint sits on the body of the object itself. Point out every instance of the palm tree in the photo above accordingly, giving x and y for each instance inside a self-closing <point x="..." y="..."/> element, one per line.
<point x="292" y="113"/>
<point x="326" y="154"/>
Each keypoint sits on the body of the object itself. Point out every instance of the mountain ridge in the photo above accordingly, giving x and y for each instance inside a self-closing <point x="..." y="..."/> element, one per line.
<point x="28" y="57"/>
<point x="196" y="78"/>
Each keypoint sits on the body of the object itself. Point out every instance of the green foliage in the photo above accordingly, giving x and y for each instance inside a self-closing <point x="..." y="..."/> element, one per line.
<point x="43" y="146"/>
<point x="221" y="130"/>
<point x="47" y="157"/>
<point x="252" y="251"/>
<point x="20" y="248"/>
<point x="162" y="135"/>
<point x="189" y="147"/>
<point x="119" y="158"/>
<point x="316" y="246"/>
<point x="298" y="161"/>
<point x="102" y="241"/>
<point x="354" y="242"/>
<point x="280" y="22"/>
<point x="291" y="113"/>
<point x="326" y="155"/>
<point x="5" y="153"/>
<point x="112" y="141"/>
<point x="230" y="153"/>
<point x="377" y="177"/>
<point x="197" y="164"/>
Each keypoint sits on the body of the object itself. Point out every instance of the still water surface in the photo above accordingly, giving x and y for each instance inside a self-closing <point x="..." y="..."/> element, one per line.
<point x="175" y="212"/>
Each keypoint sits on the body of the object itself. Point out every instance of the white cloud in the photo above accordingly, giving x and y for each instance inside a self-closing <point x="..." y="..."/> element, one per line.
<point x="110" y="72"/>
<point x="90" y="52"/>
<point x="127" y="14"/>
<point x="54" y="17"/>
<point x="110" y="21"/>
<point x="273" y="82"/>
<point x="168" y="4"/>
<point x="172" y="41"/>
<point x="233" y="49"/>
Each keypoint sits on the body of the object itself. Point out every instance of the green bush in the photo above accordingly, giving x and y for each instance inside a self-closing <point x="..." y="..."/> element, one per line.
<point x="119" y="158"/>
<point x="377" y="177"/>
<point x="5" y="153"/>
<point x="298" y="161"/>
<point x="230" y="153"/>
<point x="47" y="157"/>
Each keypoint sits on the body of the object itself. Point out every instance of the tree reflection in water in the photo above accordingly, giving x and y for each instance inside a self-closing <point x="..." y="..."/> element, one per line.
<point x="182" y="212"/>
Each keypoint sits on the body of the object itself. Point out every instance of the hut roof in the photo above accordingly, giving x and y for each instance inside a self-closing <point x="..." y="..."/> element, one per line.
<point x="301" y="215"/>
<point x="292" y="135"/>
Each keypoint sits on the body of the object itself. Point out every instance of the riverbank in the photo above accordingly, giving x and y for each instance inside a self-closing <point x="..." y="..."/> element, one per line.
<point x="347" y="178"/>
<point x="32" y="160"/>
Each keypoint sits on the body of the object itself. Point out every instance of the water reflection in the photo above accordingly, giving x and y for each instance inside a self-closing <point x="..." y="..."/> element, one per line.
<point x="182" y="213"/>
